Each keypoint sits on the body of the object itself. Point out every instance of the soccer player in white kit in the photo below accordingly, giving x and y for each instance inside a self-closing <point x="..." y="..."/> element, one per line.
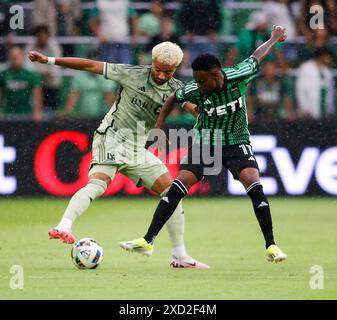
<point x="119" y="141"/>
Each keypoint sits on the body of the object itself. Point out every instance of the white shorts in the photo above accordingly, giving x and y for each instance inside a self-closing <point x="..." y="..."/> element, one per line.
<point x="109" y="157"/>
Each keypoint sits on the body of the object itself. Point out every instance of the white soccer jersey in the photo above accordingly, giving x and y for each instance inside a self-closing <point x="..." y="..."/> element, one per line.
<point x="137" y="105"/>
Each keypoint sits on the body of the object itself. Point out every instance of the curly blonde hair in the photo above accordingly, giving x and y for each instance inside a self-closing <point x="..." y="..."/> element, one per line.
<point x="168" y="53"/>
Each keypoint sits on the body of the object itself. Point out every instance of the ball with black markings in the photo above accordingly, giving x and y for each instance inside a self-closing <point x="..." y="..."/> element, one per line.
<point x="86" y="253"/>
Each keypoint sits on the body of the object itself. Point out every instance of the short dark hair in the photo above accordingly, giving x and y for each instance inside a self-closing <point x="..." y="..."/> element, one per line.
<point x="205" y="62"/>
<point x="322" y="51"/>
<point x="41" y="28"/>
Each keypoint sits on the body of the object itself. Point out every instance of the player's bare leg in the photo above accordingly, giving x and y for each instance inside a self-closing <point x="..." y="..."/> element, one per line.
<point x="80" y="202"/>
<point x="175" y="226"/>
<point x="250" y="178"/>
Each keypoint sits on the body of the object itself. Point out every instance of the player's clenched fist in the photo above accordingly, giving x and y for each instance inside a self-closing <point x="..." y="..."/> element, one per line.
<point x="36" y="56"/>
<point x="279" y="33"/>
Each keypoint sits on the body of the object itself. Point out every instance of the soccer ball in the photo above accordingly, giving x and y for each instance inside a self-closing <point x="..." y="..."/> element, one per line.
<point x="87" y="254"/>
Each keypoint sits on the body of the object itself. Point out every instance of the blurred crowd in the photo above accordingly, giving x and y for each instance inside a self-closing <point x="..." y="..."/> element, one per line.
<point x="296" y="81"/>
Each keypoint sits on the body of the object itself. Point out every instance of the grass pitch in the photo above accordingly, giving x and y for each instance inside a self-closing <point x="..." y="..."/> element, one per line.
<point x="222" y="232"/>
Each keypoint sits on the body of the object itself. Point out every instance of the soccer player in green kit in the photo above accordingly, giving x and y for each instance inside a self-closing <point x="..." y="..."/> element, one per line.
<point x="119" y="142"/>
<point x="221" y="128"/>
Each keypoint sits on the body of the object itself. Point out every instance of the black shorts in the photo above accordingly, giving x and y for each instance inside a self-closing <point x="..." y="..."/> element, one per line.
<point x="210" y="160"/>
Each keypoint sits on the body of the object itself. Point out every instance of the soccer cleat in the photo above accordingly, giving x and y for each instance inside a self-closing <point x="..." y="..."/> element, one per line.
<point x="275" y="254"/>
<point x="187" y="262"/>
<point x="139" y="245"/>
<point x="65" y="235"/>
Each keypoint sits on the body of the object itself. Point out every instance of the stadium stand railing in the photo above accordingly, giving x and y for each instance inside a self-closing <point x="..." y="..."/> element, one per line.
<point x="242" y="7"/>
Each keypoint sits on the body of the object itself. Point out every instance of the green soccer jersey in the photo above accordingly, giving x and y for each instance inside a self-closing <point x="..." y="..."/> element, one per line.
<point x="91" y="88"/>
<point x="17" y="88"/>
<point x="223" y="116"/>
<point x="137" y="105"/>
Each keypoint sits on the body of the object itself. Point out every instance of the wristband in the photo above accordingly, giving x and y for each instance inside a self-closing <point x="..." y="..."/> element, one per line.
<point x="51" y="60"/>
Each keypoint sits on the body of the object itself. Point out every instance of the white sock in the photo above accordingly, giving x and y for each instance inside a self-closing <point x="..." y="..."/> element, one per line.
<point x="179" y="252"/>
<point x="65" y="224"/>
<point x="176" y="228"/>
<point x="80" y="202"/>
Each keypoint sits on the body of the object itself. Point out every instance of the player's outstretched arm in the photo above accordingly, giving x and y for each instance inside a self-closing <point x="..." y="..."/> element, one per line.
<point x="71" y="63"/>
<point x="192" y="109"/>
<point x="278" y="35"/>
<point x="165" y="110"/>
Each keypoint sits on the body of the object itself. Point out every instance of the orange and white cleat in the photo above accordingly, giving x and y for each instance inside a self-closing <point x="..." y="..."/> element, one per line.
<point x="64" y="235"/>
<point x="187" y="262"/>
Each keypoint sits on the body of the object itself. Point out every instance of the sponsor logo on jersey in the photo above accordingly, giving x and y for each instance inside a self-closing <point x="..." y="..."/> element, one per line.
<point x="221" y="110"/>
<point x="146" y="105"/>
